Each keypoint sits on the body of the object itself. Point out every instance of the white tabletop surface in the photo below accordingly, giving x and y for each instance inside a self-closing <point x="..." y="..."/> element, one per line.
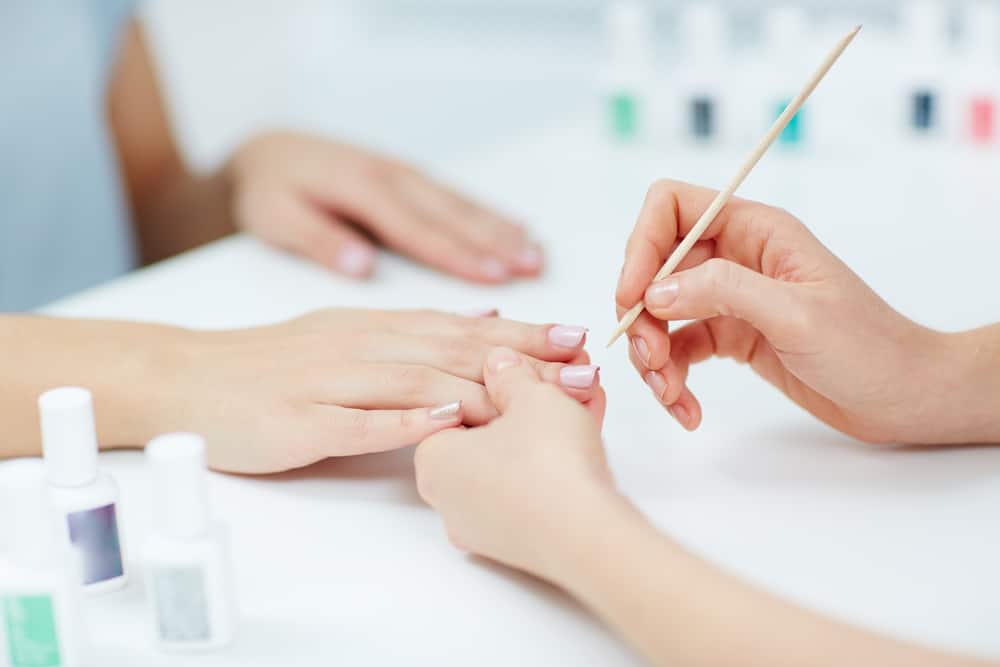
<point x="341" y="563"/>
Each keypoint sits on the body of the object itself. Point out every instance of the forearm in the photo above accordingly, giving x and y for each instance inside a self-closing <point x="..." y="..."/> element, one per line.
<point x="127" y="366"/>
<point x="679" y="610"/>
<point x="971" y="402"/>
<point x="182" y="212"/>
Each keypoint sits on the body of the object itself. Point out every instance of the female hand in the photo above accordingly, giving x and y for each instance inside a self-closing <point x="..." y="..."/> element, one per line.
<point x="342" y="382"/>
<point x="764" y="291"/>
<point x="325" y="200"/>
<point x="510" y="490"/>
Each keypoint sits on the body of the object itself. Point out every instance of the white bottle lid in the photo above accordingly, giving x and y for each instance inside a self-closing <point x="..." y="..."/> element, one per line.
<point x="24" y="511"/>
<point x="628" y="33"/>
<point x="704" y="32"/>
<point x="786" y="31"/>
<point x="982" y="32"/>
<point x="926" y="26"/>
<point x="69" y="437"/>
<point x="180" y="492"/>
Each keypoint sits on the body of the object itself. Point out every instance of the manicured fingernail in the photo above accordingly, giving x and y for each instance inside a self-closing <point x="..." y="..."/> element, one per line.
<point x="482" y="312"/>
<point x="657" y="383"/>
<point x="578" y="377"/>
<point x="355" y="260"/>
<point x="494" y="269"/>
<point x="529" y="258"/>
<point x="662" y="294"/>
<point x="502" y="358"/>
<point x="641" y="349"/>
<point x="678" y="412"/>
<point x="446" y="412"/>
<point x="566" y="336"/>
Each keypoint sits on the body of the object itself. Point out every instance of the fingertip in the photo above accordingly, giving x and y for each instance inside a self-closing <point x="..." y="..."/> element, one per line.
<point x="356" y="260"/>
<point x="500" y="359"/>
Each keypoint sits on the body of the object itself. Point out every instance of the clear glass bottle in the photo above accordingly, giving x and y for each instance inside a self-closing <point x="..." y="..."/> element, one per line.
<point x="186" y="558"/>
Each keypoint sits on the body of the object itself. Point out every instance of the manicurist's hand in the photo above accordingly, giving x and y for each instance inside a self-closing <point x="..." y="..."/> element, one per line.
<point x="511" y="490"/>
<point x="764" y="291"/>
<point x="332" y="202"/>
<point x="342" y="382"/>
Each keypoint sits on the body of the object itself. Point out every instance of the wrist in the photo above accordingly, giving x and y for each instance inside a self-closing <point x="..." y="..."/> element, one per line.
<point x="973" y="386"/>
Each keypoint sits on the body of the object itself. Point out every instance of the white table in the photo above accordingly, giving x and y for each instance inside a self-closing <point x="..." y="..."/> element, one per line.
<point x="342" y="564"/>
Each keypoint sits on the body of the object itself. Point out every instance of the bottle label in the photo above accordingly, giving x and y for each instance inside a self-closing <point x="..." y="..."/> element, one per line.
<point x="93" y="534"/>
<point x="181" y="604"/>
<point x="30" y="622"/>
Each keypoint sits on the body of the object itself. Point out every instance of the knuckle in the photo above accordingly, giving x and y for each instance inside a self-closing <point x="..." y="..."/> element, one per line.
<point x="358" y="426"/>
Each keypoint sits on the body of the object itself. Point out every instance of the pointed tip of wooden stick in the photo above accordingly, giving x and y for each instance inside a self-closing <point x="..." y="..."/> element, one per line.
<point x="857" y="29"/>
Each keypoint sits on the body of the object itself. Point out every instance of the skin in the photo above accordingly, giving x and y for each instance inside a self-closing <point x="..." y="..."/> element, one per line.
<point x="764" y="291"/>
<point x="532" y="489"/>
<point x="332" y="383"/>
<point x="327" y="201"/>
<point x="388" y="379"/>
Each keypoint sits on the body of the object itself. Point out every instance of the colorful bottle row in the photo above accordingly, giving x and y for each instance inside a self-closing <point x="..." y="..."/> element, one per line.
<point x="62" y="535"/>
<point x="715" y="94"/>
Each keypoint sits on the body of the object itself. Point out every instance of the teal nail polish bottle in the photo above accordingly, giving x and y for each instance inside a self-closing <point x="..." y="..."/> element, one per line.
<point x="794" y="132"/>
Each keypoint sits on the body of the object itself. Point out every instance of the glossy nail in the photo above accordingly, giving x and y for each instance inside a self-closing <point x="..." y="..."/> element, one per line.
<point x="578" y="377"/>
<point x="446" y="412"/>
<point x="502" y="358"/>
<point x="529" y="258"/>
<point x="680" y="413"/>
<point x="657" y="383"/>
<point x="641" y="350"/>
<point x="567" y="336"/>
<point x="355" y="260"/>
<point x="494" y="269"/>
<point x="662" y="294"/>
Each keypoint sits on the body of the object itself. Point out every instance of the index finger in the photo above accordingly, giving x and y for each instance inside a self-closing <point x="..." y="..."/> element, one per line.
<point x="670" y="210"/>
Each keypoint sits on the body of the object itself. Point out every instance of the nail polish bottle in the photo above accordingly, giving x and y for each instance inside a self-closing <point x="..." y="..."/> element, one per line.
<point x="787" y="43"/>
<point x="187" y="563"/>
<point x="40" y="622"/>
<point x="628" y="70"/>
<point x="704" y="64"/>
<point x="85" y="499"/>
<point x="924" y="60"/>
<point x="979" y="81"/>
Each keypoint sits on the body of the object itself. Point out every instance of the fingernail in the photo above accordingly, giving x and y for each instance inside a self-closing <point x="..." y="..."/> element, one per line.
<point x="566" y="336"/>
<point x="446" y="412"/>
<point x="502" y="358"/>
<point x="494" y="269"/>
<point x="678" y="412"/>
<point x="657" y="383"/>
<point x="578" y="377"/>
<point x="482" y="312"/>
<point x="641" y="349"/>
<point x="355" y="260"/>
<point x="529" y="257"/>
<point x="662" y="294"/>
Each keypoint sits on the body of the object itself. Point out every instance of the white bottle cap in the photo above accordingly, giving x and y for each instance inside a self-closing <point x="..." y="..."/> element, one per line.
<point x="24" y="510"/>
<point x="704" y="32"/>
<point x="786" y="31"/>
<point x="180" y="492"/>
<point x="982" y="32"/>
<point x="628" y="31"/>
<point x="926" y="25"/>
<point x="69" y="437"/>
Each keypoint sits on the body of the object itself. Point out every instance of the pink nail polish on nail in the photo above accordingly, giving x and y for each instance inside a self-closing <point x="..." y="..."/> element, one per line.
<point x="641" y="350"/>
<point x="578" y="377"/>
<point x="678" y="412"/>
<point x="657" y="383"/>
<point x="446" y="412"/>
<point x="662" y="294"/>
<point x="494" y="269"/>
<point x="355" y="260"/>
<point x="529" y="258"/>
<point x="567" y="336"/>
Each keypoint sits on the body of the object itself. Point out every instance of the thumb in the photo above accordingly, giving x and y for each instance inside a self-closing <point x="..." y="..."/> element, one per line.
<point x="317" y="235"/>
<point x="719" y="287"/>
<point x="508" y="375"/>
